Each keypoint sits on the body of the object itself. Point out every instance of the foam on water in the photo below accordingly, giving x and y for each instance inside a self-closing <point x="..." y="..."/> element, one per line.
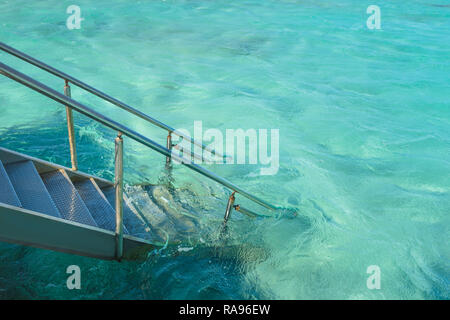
<point x="364" y="119"/>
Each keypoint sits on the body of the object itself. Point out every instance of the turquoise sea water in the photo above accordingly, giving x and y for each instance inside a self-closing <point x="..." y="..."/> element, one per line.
<point x="364" y="120"/>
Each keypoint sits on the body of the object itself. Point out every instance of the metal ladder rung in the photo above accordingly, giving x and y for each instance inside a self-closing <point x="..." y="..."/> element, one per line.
<point x="30" y="188"/>
<point x="7" y="193"/>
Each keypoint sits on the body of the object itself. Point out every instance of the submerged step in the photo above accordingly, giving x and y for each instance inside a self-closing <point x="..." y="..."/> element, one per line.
<point x="7" y="193"/>
<point x="131" y="220"/>
<point x="99" y="207"/>
<point x="30" y="189"/>
<point x="66" y="198"/>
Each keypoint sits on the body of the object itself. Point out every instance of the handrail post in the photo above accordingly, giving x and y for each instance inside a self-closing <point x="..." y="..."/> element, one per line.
<point x="228" y="210"/>
<point x="169" y="147"/>
<point x="119" y="195"/>
<point x="70" y="128"/>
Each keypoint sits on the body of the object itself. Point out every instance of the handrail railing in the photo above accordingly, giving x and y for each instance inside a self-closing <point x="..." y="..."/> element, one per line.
<point x="64" y="100"/>
<point x="53" y="94"/>
<point x="103" y="96"/>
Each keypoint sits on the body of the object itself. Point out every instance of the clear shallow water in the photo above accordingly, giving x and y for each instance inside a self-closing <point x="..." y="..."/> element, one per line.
<point x="364" y="119"/>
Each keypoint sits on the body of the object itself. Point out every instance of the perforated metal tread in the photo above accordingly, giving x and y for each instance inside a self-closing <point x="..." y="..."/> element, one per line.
<point x="30" y="189"/>
<point x="99" y="207"/>
<point x="7" y="193"/>
<point x="131" y="221"/>
<point x="66" y="198"/>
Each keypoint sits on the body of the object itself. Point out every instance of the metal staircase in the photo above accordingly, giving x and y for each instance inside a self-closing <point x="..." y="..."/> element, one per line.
<point x="49" y="206"/>
<point x="53" y="207"/>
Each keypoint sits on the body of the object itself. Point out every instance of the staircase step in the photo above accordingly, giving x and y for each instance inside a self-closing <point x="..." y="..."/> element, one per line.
<point x="99" y="207"/>
<point x="30" y="189"/>
<point x="66" y="197"/>
<point x="7" y="193"/>
<point x="131" y="220"/>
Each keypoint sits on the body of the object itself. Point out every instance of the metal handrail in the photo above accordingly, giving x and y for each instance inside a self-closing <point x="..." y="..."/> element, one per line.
<point x="103" y="96"/>
<point x="69" y="102"/>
